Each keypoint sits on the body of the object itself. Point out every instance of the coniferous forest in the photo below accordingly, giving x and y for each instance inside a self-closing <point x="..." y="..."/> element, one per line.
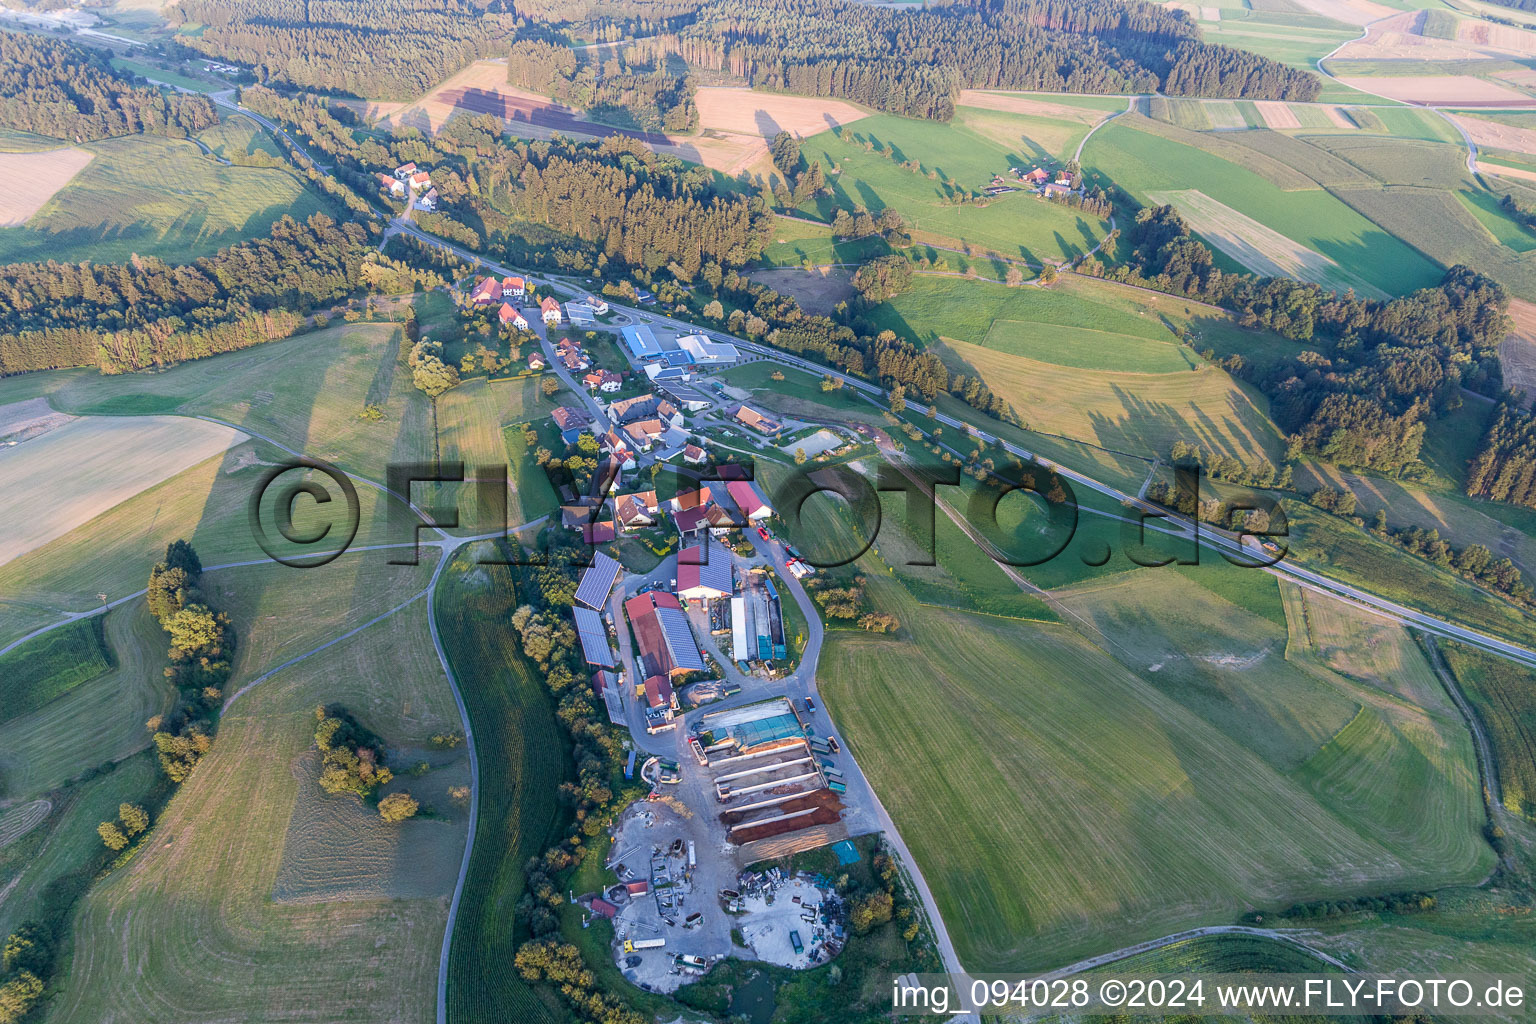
<point x="906" y="62"/>
<point x="52" y="88"/>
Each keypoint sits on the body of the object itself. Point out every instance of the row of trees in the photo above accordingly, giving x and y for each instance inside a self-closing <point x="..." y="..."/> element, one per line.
<point x="148" y="312"/>
<point x="201" y="645"/>
<point x="1374" y="370"/>
<point x="63" y="91"/>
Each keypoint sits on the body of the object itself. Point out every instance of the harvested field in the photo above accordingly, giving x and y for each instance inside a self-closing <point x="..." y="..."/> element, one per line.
<point x="1518" y="351"/>
<point x="1497" y="136"/>
<point x="1499" y="37"/>
<point x="93" y="464"/>
<point x="1224" y="115"/>
<point x="16" y="822"/>
<point x="817" y="291"/>
<point x="1353" y="12"/>
<point x="765" y="114"/>
<point x="338" y="848"/>
<point x="1264" y="251"/>
<point x="1522" y="173"/>
<point x="1339" y="118"/>
<point x="214" y="864"/>
<point x="1139" y="414"/>
<point x="1403" y="38"/>
<point x="33" y="178"/>
<point x="1438" y="90"/>
<point x="1016" y="103"/>
<point x="1278" y="115"/>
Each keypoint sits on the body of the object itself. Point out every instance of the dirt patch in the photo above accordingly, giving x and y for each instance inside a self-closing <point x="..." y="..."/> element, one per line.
<point x="765" y="114"/>
<point x="818" y="290"/>
<point x="1517" y="353"/>
<point x="1438" y="89"/>
<point x="1497" y="136"/>
<point x="1277" y="115"/>
<point x="21" y="421"/>
<point x="1017" y="103"/>
<point x="1261" y="249"/>
<point x="31" y="179"/>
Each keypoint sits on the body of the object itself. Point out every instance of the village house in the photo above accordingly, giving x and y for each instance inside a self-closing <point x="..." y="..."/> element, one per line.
<point x="631" y="511"/>
<point x="394" y="186"/>
<point x="405" y="170"/>
<point x="749" y="499"/>
<point x="610" y="443"/>
<point x="513" y="286"/>
<point x="1037" y="177"/>
<point x="549" y="309"/>
<point x="704" y="571"/>
<point x="421" y="179"/>
<point x="756" y="420"/>
<point x="510" y="317"/>
<point x="599" y="306"/>
<point x="536" y="360"/>
<point x="645" y="407"/>
<point x="694" y="455"/>
<point x="609" y="382"/>
<point x="1056" y="188"/>
<point x="486" y="292"/>
<point x="569" y="353"/>
<point x="429" y="201"/>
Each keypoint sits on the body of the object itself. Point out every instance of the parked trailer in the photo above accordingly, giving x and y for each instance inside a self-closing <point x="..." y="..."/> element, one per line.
<point x="693" y="860"/>
<point x="629" y="766"/>
<point x="630" y="945"/>
<point x="837" y="787"/>
<point x="831" y="771"/>
<point x="794" y="940"/>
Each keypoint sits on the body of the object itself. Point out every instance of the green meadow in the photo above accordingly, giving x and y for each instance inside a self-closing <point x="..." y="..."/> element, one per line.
<point x="1142" y="163"/>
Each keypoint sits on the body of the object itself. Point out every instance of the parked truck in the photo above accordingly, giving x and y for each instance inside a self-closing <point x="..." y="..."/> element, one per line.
<point x="794" y="940"/>
<point x="630" y="945"/>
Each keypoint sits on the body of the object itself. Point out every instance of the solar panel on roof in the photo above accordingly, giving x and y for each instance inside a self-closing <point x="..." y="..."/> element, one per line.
<point x="594" y="637"/>
<point x="680" y="642"/>
<point x="597" y="581"/>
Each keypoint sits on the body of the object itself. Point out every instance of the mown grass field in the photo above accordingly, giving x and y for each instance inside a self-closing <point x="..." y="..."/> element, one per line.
<point x="1182" y="822"/>
<point x="1504" y="696"/>
<point x="1349" y="554"/>
<point x="960" y="156"/>
<point x="1141" y="162"/>
<point x="1220" y="954"/>
<point x="1510" y="232"/>
<point x="99" y="719"/>
<point x="203" y="889"/>
<point x="157" y="197"/>
<point x="795" y="241"/>
<point x="50" y="666"/>
<point x="512" y="715"/>
<point x="65" y="845"/>
<point x="1138" y="414"/>
<point x="13" y="141"/>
